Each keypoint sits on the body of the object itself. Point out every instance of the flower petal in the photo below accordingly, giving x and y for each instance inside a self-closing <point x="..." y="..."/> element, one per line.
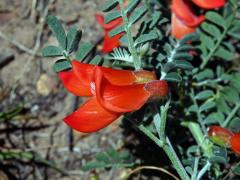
<point x="235" y="143"/>
<point x="182" y="9"/>
<point x="119" y="98"/>
<point x="73" y="84"/>
<point x="116" y="77"/>
<point x="109" y="26"/>
<point x="209" y="4"/>
<point x="109" y="43"/>
<point x="90" y="117"/>
<point x="179" y="29"/>
<point x="83" y="71"/>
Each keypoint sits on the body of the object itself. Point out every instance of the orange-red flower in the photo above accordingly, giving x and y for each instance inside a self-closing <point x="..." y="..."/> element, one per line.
<point x="235" y="143"/>
<point x="185" y="20"/>
<point x="109" y="43"/>
<point x="112" y="93"/>
<point x="224" y="137"/>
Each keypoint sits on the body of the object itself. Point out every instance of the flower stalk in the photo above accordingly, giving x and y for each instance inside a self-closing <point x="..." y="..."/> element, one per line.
<point x="136" y="60"/>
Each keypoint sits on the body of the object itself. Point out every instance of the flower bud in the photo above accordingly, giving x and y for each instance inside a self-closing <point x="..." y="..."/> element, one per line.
<point x="220" y="136"/>
<point x="235" y="143"/>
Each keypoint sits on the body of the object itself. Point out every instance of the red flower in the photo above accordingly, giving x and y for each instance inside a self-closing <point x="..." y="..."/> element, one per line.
<point x="112" y="93"/>
<point x="220" y="136"/>
<point x="235" y="143"/>
<point x="225" y="138"/>
<point x="209" y="4"/>
<point x="185" y="20"/>
<point x="109" y="43"/>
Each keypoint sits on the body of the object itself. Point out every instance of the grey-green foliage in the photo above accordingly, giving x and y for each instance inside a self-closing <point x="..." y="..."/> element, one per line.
<point x="214" y="33"/>
<point x="134" y="12"/>
<point x="219" y="96"/>
<point x="109" y="159"/>
<point x="176" y="56"/>
<point x="67" y="45"/>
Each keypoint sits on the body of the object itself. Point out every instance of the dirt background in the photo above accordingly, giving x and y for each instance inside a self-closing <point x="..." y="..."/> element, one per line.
<point x="28" y="79"/>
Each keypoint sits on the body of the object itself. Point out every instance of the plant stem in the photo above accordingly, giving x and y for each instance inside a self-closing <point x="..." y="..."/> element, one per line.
<point x="127" y="26"/>
<point x="199" y="116"/>
<point x="230" y="116"/>
<point x="168" y="149"/>
<point x="150" y="135"/>
<point x="204" y="170"/>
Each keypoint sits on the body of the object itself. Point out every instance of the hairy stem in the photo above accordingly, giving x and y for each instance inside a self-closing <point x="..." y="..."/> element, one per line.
<point x="164" y="142"/>
<point x="199" y="116"/>
<point x="127" y="26"/>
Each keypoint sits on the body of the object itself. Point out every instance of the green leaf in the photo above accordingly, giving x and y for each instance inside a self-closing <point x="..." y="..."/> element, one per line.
<point x="205" y="74"/>
<point x="96" y="60"/>
<point x="207" y="41"/>
<point x="51" y="51"/>
<point x="61" y="65"/>
<point x="183" y="65"/>
<point x="145" y="38"/>
<point x="73" y="38"/>
<point x="185" y="47"/>
<point x="132" y="4"/>
<point x="116" y="31"/>
<point x="219" y="155"/>
<point x="193" y="108"/>
<point x="173" y="77"/>
<point x="109" y="5"/>
<point x="112" y="16"/>
<point x="155" y="18"/>
<point x="231" y="94"/>
<point x="214" y="118"/>
<point x="93" y="165"/>
<point x="222" y="105"/>
<point x="137" y="14"/>
<point x="207" y="105"/>
<point x="211" y="29"/>
<point x="234" y="124"/>
<point x="108" y="159"/>
<point x="58" y="30"/>
<point x="224" y="54"/>
<point x="189" y="38"/>
<point x="216" y="18"/>
<point x="83" y="50"/>
<point x="204" y="94"/>
<point x="183" y="56"/>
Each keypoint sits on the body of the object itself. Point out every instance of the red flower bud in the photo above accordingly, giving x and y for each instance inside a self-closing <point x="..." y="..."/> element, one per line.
<point x="220" y="136"/>
<point x="235" y="143"/>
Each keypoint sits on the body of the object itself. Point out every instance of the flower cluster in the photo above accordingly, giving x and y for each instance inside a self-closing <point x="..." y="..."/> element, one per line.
<point x="225" y="138"/>
<point x="111" y="93"/>
<point x="184" y="18"/>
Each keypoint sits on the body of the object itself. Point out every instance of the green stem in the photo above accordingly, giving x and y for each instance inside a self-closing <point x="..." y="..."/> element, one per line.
<point x="195" y="168"/>
<point x="127" y="26"/>
<point x="150" y="135"/>
<point x="220" y="39"/>
<point x="199" y="116"/>
<point x="204" y="170"/>
<point x="168" y="149"/>
<point x="230" y="116"/>
<point x="199" y="137"/>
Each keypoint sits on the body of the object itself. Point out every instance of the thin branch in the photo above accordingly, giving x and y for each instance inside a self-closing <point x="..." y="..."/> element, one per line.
<point x="150" y="168"/>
